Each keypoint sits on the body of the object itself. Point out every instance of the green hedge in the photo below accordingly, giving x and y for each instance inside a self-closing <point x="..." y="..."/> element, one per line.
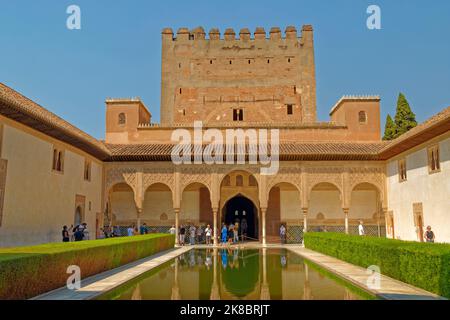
<point x="425" y="265"/>
<point x="26" y="272"/>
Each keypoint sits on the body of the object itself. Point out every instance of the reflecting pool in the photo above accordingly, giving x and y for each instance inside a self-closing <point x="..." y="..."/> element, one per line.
<point x="232" y="273"/>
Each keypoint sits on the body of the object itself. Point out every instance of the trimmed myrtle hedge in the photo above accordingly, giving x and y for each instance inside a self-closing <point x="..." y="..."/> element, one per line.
<point x="425" y="265"/>
<point x="26" y="272"/>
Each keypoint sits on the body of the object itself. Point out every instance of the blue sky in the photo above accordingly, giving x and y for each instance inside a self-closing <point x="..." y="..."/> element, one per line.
<point x="117" y="51"/>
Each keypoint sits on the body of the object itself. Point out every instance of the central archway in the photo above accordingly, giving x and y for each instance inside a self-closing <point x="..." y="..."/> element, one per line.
<point x="242" y="210"/>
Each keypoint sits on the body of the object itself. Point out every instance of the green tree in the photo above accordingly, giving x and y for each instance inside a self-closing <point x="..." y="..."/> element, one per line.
<point x="389" y="131"/>
<point x="405" y="119"/>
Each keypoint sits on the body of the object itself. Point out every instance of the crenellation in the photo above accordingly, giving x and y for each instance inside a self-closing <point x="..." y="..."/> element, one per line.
<point x="245" y="34"/>
<point x="229" y="34"/>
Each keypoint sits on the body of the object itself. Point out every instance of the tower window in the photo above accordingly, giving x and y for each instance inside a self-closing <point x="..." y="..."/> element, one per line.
<point x="181" y="91"/>
<point x="290" y="109"/>
<point x="268" y="60"/>
<point x="122" y="120"/>
<point x="238" y="115"/>
<point x="231" y="62"/>
<point x="210" y="61"/>
<point x="249" y="62"/>
<point x="289" y="60"/>
<point x="362" y="117"/>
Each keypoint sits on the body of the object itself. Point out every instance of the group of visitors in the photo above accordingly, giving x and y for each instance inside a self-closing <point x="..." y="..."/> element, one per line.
<point x="77" y="233"/>
<point x="195" y="234"/>
<point x="230" y="234"/>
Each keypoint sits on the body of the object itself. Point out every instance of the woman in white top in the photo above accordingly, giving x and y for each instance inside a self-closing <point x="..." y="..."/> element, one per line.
<point x="208" y="233"/>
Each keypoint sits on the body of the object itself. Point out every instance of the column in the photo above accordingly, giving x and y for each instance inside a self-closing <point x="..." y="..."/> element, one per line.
<point x="305" y="219"/>
<point x="263" y="218"/>
<point x="215" y="229"/>
<point x="138" y="219"/>
<point x="177" y="226"/>
<point x="346" y="210"/>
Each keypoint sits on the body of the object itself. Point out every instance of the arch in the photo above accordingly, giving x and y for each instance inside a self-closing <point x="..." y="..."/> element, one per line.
<point x="121" y="197"/>
<point x="238" y="209"/>
<point x="158" y="205"/>
<point x="79" y="216"/>
<point x="283" y="183"/>
<point x="239" y="180"/>
<point x="197" y="207"/>
<point x="237" y="194"/>
<point x="324" y="184"/>
<point x="121" y="119"/>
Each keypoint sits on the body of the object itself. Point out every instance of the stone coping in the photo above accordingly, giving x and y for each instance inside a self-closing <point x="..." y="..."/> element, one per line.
<point x="101" y="283"/>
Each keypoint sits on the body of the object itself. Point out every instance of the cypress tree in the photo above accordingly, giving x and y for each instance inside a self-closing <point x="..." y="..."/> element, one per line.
<point x="389" y="131"/>
<point x="405" y="119"/>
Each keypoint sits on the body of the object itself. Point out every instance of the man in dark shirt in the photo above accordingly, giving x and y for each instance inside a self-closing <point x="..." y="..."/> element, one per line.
<point x="79" y="234"/>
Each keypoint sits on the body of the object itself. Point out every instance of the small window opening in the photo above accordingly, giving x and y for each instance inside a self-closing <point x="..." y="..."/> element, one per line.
<point x="290" y="109"/>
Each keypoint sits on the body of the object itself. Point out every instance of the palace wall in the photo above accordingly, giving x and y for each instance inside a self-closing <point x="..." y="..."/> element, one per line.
<point x="37" y="201"/>
<point x="423" y="194"/>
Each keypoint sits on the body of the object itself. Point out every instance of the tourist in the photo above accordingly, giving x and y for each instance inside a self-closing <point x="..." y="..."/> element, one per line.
<point x="144" y="229"/>
<point x="231" y="233"/>
<point x="236" y="232"/>
<point x="224" y="233"/>
<point x="361" y="229"/>
<point x="199" y="234"/>
<point x="192" y="234"/>
<point x="172" y="230"/>
<point x="65" y="234"/>
<point x="429" y="235"/>
<point x="283" y="234"/>
<point x="71" y="232"/>
<point x="85" y="231"/>
<point x="130" y="231"/>
<point x="79" y="234"/>
<point x="182" y="235"/>
<point x="208" y="233"/>
<point x="116" y="231"/>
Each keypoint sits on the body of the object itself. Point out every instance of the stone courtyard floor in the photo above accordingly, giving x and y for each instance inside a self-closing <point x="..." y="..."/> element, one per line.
<point x="97" y="285"/>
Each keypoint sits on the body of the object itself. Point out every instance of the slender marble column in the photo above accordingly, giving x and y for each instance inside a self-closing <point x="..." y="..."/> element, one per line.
<point x="177" y="226"/>
<point x="346" y="210"/>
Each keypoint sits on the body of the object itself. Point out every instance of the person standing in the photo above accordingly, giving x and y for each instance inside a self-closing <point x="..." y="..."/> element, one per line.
<point x="65" y="234"/>
<point x="192" y="234"/>
<point x="144" y="229"/>
<point x="79" y="234"/>
<point x="130" y="231"/>
<point x="172" y="230"/>
<point x="361" y="230"/>
<point x="208" y="233"/>
<point x="199" y="234"/>
<point x="224" y="234"/>
<point x="236" y="232"/>
<point x="231" y="233"/>
<point x="429" y="235"/>
<point x="283" y="234"/>
<point x="182" y="235"/>
<point x="85" y="232"/>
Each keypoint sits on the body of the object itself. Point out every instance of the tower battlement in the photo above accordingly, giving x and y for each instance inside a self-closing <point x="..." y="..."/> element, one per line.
<point x="214" y="34"/>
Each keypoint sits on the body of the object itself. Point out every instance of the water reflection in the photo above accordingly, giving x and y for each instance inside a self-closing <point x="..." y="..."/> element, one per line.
<point x="231" y="273"/>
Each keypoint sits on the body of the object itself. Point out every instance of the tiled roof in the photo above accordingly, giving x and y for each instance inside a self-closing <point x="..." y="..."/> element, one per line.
<point x="433" y="127"/>
<point x="288" y="151"/>
<point x="21" y="109"/>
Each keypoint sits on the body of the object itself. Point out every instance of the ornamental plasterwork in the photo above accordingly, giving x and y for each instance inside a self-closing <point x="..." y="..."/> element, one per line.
<point x="288" y="174"/>
<point x="223" y="171"/>
<point x="190" y="175"/>
<point x="373" y="176"/>
<point x="119" y="175"/>
<point x="324" y="175"/>
<point x="158" y="175"/>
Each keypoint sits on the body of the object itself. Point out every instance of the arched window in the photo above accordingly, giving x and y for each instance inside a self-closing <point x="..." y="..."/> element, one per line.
<point x="252" y="181"/>
<point x="122" y="119"/>
<point x="226" y="181"/>
<point x="239" y="181"/>
<point x="362" y="117"/>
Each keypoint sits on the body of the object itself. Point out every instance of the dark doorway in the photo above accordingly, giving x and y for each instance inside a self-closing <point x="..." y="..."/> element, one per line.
<point x="242" y="210"/>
